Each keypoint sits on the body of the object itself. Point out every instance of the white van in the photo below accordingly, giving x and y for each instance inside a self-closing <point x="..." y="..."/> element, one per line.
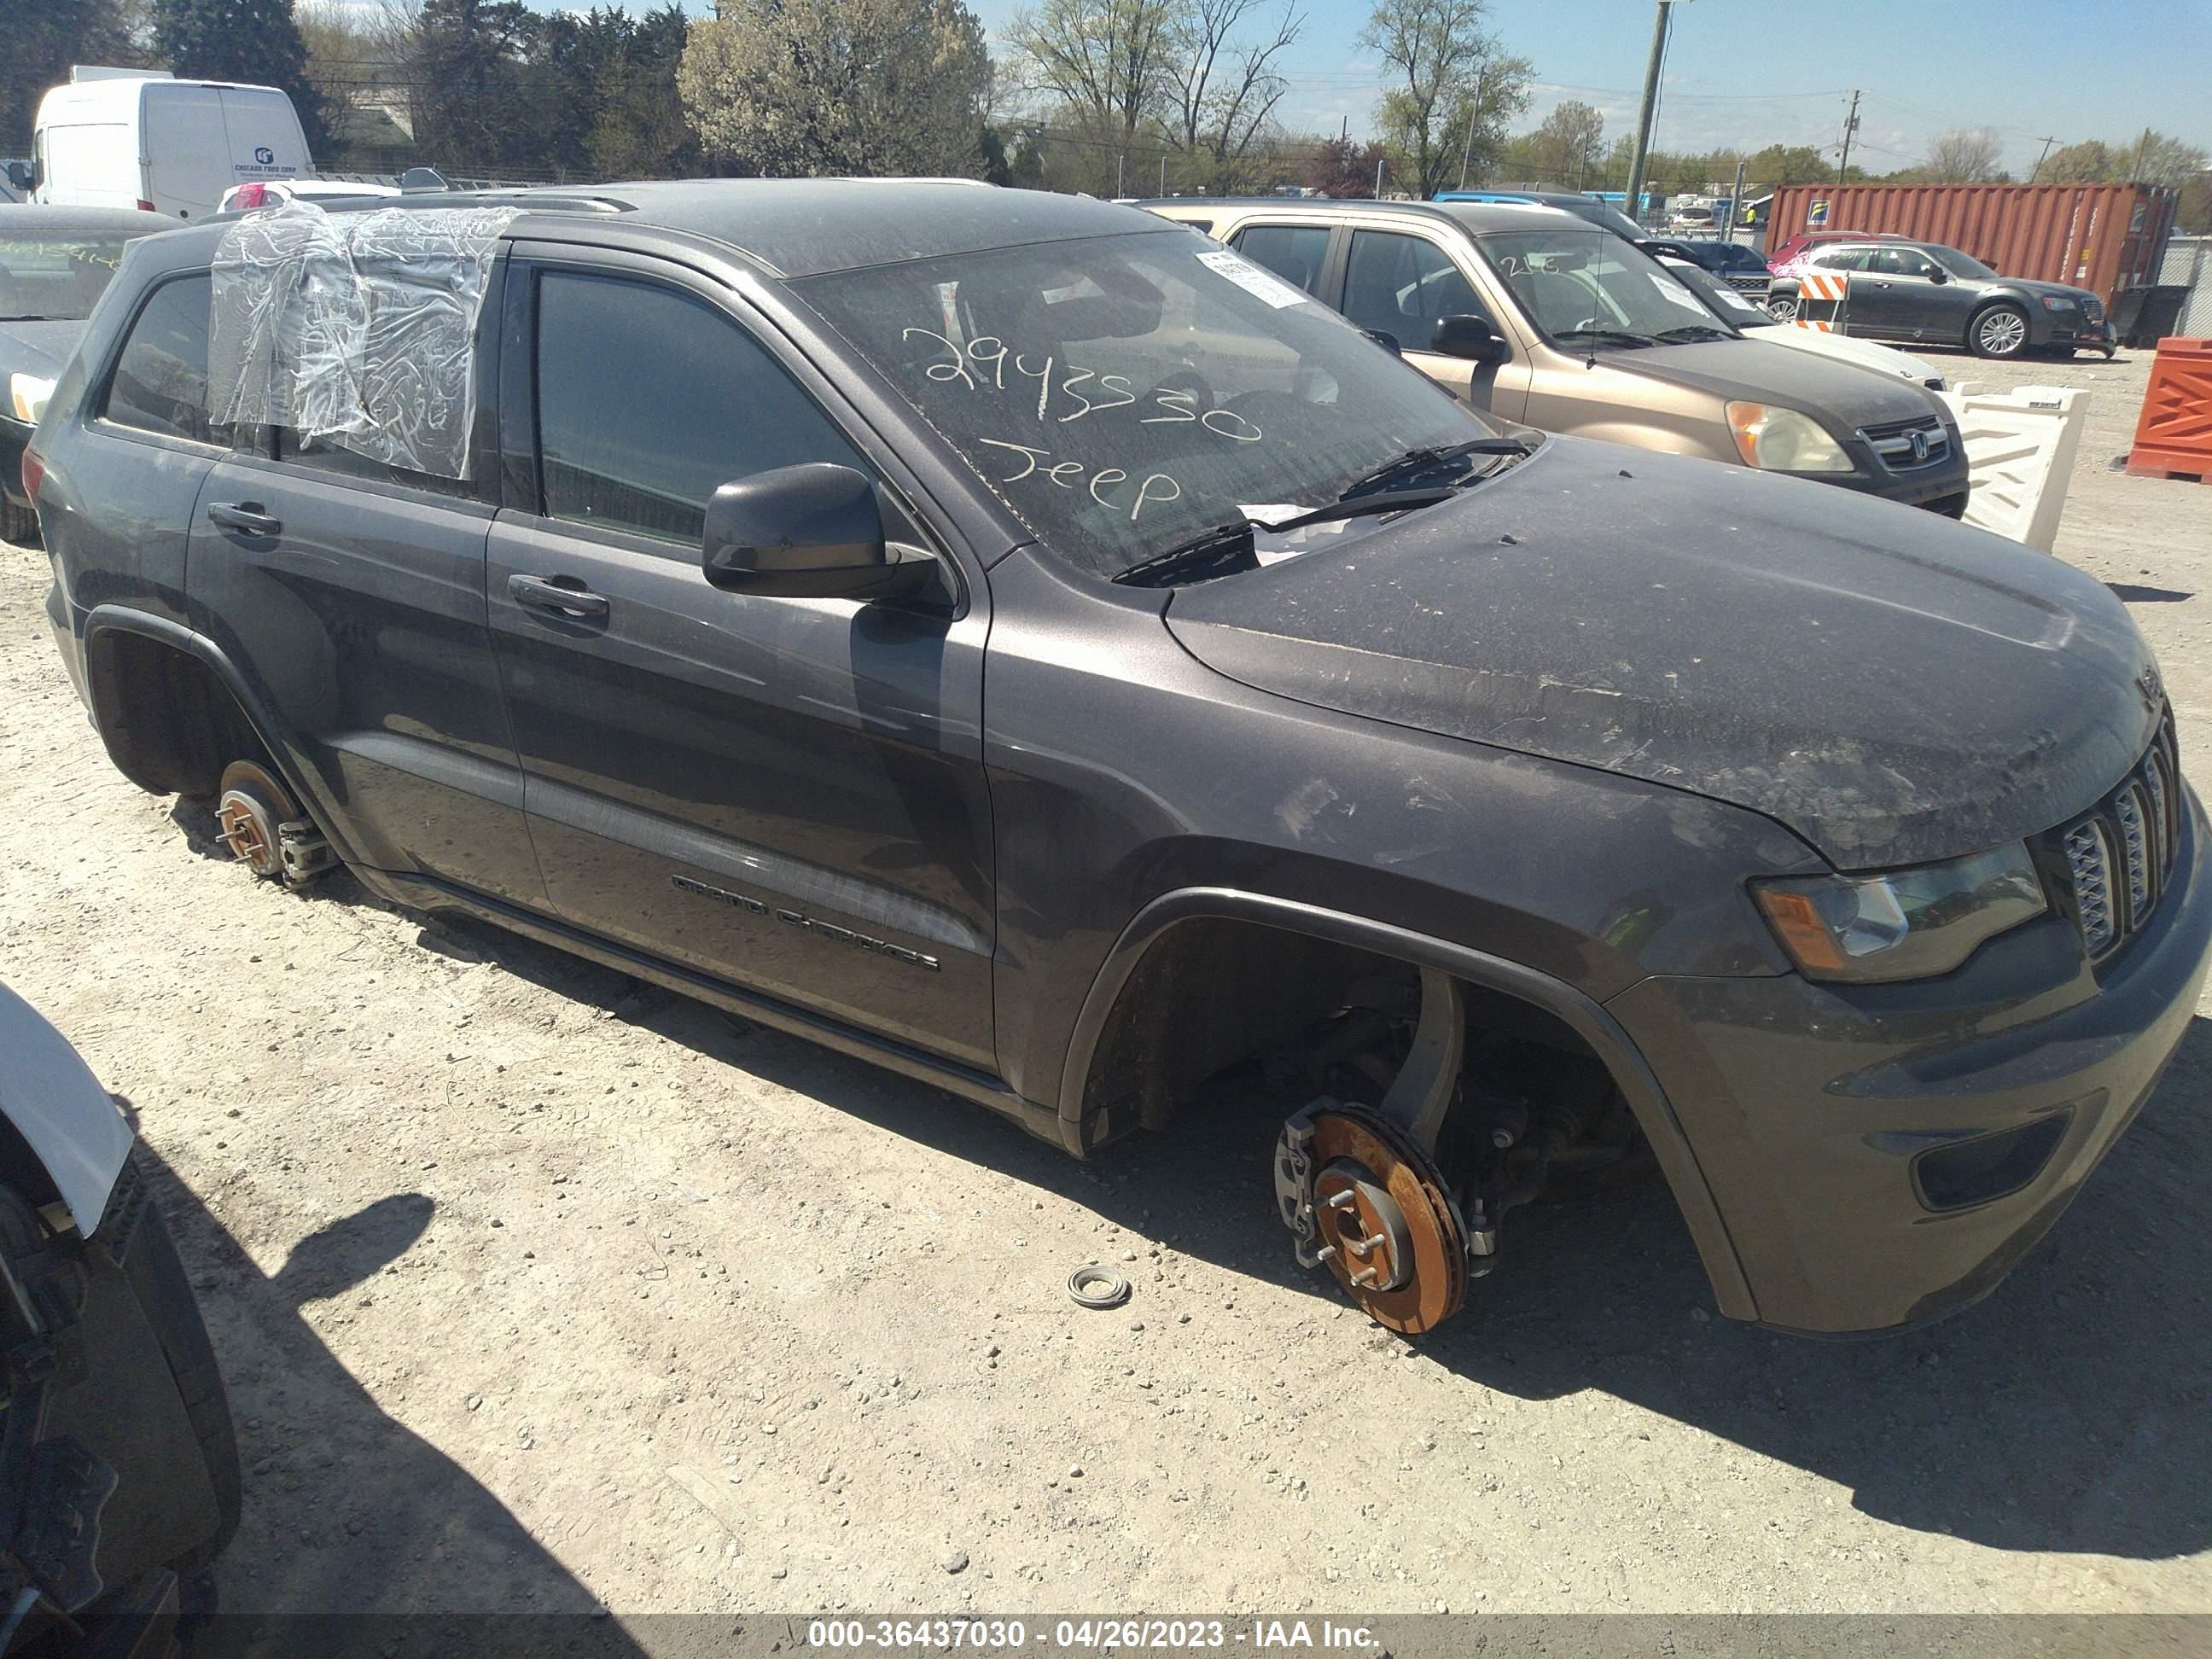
<point x="135" y="139"/>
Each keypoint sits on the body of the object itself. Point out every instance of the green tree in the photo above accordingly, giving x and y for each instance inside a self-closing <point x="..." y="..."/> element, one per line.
<point x="38" y="41"/>
<point x="256" y="41"/>
<point x="1440" y="63"/>
<point x="804" y="88"/>
<point x="1566" y="145"/>
<point x="472" y="107"/>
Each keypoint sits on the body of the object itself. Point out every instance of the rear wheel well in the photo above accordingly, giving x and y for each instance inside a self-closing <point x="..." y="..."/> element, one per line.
<point x="170" y="724"/>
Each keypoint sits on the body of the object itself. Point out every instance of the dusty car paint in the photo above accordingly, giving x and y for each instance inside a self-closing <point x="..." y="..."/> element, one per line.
<point x="1538" y="738"/>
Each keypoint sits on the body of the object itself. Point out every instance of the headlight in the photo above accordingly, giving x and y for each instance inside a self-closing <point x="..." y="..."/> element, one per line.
<point x="1908" y="924"/>
<point x="2057" y="302"/>
<point x="1783" y="441"/>
<point x="27" y="395"/>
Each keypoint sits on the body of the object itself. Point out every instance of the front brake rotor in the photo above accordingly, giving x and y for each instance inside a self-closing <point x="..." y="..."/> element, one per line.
<point x="1383" y="1220"/>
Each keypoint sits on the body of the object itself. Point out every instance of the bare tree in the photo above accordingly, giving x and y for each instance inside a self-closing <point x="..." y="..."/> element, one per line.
<point x="1107" y="61"/>
<point x="1965" y="156"/>
<point x="1443" y="63"/>
<point x="1226" y="88"/>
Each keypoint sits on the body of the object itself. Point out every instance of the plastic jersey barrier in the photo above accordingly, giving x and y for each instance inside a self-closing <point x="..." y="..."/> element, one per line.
<point x="2020" y="446"/>
<point x="355" y="327"/>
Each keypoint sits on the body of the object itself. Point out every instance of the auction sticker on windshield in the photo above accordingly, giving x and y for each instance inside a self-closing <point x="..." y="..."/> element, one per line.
<point x="1260" y="284"/>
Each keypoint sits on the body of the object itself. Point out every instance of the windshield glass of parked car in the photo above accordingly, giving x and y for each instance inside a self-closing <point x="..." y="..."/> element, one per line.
<point x="55" y="278"/>
<point x="1123" y="394"/>
<point x="1585" y="290"/>
<point x="1724" y="302"/>
<point x="1958" y="264"/>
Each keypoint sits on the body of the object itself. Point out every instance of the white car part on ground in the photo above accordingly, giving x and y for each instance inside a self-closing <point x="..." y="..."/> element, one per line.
<point x="2020" y="446"/>
<point x="51" y="1098"/>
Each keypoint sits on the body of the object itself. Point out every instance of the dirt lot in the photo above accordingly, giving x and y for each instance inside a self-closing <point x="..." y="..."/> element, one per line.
<point x="538" y="1289"/>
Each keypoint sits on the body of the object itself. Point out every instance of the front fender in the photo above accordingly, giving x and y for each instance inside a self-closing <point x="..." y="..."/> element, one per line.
<point x="56" y="1107"/>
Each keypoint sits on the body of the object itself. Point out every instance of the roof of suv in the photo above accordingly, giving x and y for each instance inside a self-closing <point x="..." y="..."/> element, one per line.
<point x="804" y="227"/>
<point x="1479" y="217"/>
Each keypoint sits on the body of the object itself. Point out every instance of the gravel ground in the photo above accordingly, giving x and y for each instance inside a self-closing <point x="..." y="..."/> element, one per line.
<point x="538" y="1289"/>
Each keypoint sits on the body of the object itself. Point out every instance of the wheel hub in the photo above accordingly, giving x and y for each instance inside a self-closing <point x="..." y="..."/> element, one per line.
<point x="247" y="831"/>
<point x="1360" y="1196"/>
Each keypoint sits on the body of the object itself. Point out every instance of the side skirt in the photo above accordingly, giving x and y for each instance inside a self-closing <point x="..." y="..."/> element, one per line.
<point x="426" y="893"/>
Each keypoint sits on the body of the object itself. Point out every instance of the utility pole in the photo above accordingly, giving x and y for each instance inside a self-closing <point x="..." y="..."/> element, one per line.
<point x="1122" y="173"/>
<point x="1163" y="172"/>
<point x="1474" y="115"/>
<point x="1850" y="126"/>
<point x="1378" y="177"/>
<point x="2135" y="173"/>
<point x="2040" y="160"/>
<point x="1643" y="116"/>
<point x="1735" y="201"/>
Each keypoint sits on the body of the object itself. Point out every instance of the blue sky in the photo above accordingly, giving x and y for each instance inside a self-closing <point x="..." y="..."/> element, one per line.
<point x="1752" y="71"/>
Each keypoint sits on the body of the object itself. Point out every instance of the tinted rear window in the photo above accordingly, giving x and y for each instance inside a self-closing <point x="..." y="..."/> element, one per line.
<point x="160" y="382"/>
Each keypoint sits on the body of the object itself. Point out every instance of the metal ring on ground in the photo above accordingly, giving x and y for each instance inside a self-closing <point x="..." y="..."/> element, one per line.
<point x="1098" y="1287"/>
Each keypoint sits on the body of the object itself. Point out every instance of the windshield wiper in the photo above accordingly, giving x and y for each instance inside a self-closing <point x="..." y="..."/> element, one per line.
<point x="1689" y="332"/>
<point x="1229" y="548"/>
<point x="1415" y="462"/>
<point x="1619" y="336"/>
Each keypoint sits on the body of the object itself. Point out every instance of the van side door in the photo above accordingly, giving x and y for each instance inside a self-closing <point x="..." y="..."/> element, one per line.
<point x="787" y="795"/>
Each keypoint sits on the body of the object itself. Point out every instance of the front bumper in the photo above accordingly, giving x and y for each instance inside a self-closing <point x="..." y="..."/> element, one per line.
<point x="1942" y="485"/>
<point x="1807" y="1106"/>
<point x="2074" y="330"/>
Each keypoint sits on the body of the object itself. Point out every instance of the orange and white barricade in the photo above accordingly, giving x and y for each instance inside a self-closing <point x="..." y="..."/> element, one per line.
<point x="1823" y="298"/>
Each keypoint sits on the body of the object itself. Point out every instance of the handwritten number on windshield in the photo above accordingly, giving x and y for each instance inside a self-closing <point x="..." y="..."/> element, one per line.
<point x="989" y="352"/>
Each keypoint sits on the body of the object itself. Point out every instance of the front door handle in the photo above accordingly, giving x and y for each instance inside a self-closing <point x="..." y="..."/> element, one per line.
<point x="556" y="595"/>
<point x="248" y="518"/>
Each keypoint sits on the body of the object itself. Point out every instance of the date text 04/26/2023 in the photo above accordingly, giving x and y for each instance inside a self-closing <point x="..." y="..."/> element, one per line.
<point x="988" y="1635"/>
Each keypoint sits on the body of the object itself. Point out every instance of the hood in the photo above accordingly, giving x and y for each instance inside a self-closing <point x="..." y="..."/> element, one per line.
<point x="2034" y="288"/>
<point x="1893" y="686"/>
<point x="42" y="349"/>
<point x="1837" y="394"/>
<point x="1883" y="359"/>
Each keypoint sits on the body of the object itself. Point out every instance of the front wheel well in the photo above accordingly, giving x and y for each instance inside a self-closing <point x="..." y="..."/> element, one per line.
<point x="1212" y="996"/>
<point x="169" y="723"/>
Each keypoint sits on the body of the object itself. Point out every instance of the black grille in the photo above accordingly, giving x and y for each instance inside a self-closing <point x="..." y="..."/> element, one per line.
<point x="1908" y="446"/>
<point x="2114" y="861"/>
<point x="1752" y="281"/>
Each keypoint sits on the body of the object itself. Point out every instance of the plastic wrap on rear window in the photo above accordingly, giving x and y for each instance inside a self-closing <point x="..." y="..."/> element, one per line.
<point x="359" y="328"/>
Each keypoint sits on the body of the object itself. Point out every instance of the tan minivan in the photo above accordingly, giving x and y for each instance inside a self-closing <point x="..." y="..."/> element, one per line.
<point x="1542" y="317"/>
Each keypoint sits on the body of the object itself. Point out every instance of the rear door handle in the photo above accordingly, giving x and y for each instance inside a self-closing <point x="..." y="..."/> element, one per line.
<point x="555" y="595"/>
<point x="247" y="517"/>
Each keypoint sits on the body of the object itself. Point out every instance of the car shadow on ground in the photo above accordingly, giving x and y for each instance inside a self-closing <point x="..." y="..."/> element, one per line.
<point x="346" y="1509"/>
<point x="2068" y="1412"/>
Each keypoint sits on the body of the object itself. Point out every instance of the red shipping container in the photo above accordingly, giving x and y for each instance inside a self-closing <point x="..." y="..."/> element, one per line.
<point x="2174" y="434"/>
<point x="2106" y="237"/>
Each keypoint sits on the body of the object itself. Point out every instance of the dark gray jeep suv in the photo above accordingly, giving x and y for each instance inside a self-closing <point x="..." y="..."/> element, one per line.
<point x="1023" y="643"/>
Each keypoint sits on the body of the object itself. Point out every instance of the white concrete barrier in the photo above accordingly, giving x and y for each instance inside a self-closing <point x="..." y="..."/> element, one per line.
<point x="2020" y="453"/>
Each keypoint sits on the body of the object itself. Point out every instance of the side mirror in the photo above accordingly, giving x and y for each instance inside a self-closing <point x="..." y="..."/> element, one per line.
<point x="1469" y="336"/>
<point x="1935" y="274"/>
<point x="808" y="531"/>
<point x="19" y="175"/>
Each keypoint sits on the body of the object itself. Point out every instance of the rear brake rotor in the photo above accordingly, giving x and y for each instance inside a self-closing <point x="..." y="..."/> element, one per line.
<point x="251" y="806"/>
<point x="1388" y="1228"/>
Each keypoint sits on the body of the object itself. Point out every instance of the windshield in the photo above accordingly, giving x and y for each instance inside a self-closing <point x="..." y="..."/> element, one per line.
<point x="1123" y="394"/>
<point x="1958" y="264"/>
<point x="59" y="278"/>
<point x="1602" y="213"/>
<point x="1724" y="302"/>
<point x="1584" y="289"/>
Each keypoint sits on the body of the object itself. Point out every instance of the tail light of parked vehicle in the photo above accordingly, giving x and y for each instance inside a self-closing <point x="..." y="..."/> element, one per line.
<point x="249" y="196"/>
<point x="147" y="207"/>
<point x="34" y="474"/>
